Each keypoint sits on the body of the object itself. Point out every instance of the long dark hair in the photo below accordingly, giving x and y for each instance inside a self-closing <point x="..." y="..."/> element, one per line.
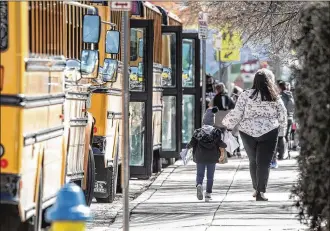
<point x="264" y="85"/>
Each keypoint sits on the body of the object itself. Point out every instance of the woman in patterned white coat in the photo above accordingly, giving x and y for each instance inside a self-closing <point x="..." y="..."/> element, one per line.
<point x="260" y="114"/>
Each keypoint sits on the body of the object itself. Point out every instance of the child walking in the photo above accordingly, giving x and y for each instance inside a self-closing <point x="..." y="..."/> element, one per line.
<point x="206" y="143"/>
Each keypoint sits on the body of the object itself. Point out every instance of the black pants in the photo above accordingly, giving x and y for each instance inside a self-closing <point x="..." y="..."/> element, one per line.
<point x="260" y="151"/>
<point x="281" y="144"/>
<point x="288" y="130"/>
<point x="283" y="141"/>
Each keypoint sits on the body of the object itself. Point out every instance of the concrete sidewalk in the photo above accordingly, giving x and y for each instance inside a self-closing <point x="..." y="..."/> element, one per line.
<point x="170" y="203"/>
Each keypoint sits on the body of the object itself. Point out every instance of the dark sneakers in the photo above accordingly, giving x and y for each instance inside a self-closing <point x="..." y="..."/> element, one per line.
<point x="261" y="197"/>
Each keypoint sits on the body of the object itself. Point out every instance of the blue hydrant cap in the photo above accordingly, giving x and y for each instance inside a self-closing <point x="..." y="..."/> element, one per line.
<point x="70" y="205"/>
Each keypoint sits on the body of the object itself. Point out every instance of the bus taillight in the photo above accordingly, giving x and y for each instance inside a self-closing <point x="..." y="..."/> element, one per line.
<point x="3" y="163"/>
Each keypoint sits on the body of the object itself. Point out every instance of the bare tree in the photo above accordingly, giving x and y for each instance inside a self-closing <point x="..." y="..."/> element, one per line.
<point x="270" y="24"/>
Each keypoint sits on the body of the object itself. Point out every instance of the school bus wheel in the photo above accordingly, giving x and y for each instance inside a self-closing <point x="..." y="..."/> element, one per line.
<point x="119" y="188"/>
<point x="89" y="191"/>
<point x="112" y="177"/>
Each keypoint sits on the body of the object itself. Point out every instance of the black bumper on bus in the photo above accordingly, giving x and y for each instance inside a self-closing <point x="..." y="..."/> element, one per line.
<point x="9" y="189"/>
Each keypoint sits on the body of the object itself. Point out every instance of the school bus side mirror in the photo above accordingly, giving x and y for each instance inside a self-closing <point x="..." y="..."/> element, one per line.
<point x="110" y="68"/>
<point x="112" y="42"/>
<point x="91" y="28"/>
<point x="89" y="64"/>
<point x="72" y="70"/>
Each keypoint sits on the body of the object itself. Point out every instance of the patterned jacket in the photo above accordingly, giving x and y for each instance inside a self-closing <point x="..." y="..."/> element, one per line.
<point x="256" y="117"/>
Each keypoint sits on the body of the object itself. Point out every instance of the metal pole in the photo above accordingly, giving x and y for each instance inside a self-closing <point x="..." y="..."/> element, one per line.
<point x="220" y="68"/>
<point x="203" y="77"/>
<point x="125" y="124"/>
<point x="73" y="3"/>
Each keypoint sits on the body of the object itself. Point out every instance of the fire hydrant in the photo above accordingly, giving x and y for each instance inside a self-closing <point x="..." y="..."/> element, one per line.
<point x="70" y="212"/>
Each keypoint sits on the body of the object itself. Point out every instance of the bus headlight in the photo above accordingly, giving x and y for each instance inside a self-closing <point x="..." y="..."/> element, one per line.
<point x="2" y="150"/>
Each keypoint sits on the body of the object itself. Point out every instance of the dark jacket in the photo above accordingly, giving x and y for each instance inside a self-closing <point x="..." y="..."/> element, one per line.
<point x="217" y="102"/>
<point x="288" y="101"/>
<point x="206" y="142"/>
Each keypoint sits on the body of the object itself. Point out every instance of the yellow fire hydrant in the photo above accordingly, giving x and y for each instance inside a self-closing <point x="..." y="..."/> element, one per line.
<point x="70" y="212"/>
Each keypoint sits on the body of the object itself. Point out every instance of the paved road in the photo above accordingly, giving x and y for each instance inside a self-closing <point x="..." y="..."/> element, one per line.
<point x="170" y="202"/>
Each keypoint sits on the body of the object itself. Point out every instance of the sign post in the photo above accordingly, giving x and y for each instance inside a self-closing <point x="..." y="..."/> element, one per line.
<point x="125" y="6"/>
<point x="125" y="109"/>
<point x="125" y="123"/>
<point x="203" y="34"/>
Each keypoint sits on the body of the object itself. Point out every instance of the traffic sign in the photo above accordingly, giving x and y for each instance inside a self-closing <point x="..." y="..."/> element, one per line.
<point x="203" y="17"/>
<point x="121" y="5"/>
<point x="202" y="25"/>
<point x="202" y="32"/>
<point x="231" y="45"/>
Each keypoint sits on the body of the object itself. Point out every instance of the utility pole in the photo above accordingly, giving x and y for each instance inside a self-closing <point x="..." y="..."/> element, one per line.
<point x="125" y="124"/>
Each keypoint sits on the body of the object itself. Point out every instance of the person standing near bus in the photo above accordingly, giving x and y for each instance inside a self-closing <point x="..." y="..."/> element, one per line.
<point x="224" y="103"/>
<point x="283" y="136"/>
<point x="260" y="113"/>
<point x="209" y="89"/>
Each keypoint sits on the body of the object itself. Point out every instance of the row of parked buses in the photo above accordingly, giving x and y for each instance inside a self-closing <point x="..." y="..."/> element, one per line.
<point x="61" y="86"/>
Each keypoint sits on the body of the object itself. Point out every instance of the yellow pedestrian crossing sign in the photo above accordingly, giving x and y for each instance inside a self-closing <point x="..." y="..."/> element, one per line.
<point x="231" y="44"/>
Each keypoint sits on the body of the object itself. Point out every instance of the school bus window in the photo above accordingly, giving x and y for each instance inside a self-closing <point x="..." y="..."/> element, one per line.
<point x="188" y="64"/>
<point x="141" y="46"/>
<point x="4" y="25"/>
<point x="140" y="69"/>
<point x="186" y="56"/>
<point x="134" y="45"/>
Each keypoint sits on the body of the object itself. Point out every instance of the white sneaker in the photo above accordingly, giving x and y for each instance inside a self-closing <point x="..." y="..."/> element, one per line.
<point x="200" y="192"/>
<point x="208" y="197"/>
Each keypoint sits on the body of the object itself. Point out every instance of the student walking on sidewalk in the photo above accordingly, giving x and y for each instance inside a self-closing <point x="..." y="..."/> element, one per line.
<point x="260" y="113"/>
<point x="206" y="143"/>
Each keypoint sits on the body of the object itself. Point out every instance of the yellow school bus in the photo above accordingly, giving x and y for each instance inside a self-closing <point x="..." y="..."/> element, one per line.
<point x="36" y="124"/>
<point x="106" y="99"/>
<point x="106" y="107"/>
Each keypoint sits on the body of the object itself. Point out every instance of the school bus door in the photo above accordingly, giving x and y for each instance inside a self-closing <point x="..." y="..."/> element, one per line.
<point x="172" y="94"/>
<point x="191" y="85"/>
<point x="140" y="106"/>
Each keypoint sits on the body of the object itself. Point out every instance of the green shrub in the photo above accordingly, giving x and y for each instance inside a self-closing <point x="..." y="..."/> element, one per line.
<point x="312" y="97"/>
